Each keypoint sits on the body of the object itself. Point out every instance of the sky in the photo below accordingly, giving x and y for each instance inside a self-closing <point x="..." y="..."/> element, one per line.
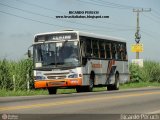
<point x="20" y="20"/>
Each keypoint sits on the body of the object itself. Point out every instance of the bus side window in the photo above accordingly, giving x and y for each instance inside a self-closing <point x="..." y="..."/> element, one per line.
<point x="85" y="44"/>
<point x="102" y="49"/>
<point x="83" y="47"/>
<point x="108" y="50"/>
<point x="88" y="49"/>
<point x="118" y="49"/>
<point x="114" y="52"/>
<point x="124" y="52"/>
<point x="95" y="49"/>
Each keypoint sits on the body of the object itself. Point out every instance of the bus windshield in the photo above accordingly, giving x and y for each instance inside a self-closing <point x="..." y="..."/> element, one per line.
<point x="56" y="54"/>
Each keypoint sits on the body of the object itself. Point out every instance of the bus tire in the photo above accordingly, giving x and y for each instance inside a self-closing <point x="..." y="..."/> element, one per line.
<point x="109" y="87"/>
<point x="52" y="90"/>
<point x="114" y="86"/>
<point x="80" y="89"/>
<point x="90" y="87"/>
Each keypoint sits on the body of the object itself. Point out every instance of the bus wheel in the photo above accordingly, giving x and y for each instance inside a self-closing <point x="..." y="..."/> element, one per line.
<point x="80" y="89"/>
<point x="52" y="90"/>
<point x="109" y="87"/>
<point x="114" y="86"/>
<point x="90" y="87"/>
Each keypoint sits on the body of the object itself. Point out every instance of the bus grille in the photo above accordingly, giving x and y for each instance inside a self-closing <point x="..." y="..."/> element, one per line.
<point x="56" y="75"/>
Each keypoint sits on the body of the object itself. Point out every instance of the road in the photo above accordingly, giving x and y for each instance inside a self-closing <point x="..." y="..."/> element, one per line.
<point x="132" y="101"/>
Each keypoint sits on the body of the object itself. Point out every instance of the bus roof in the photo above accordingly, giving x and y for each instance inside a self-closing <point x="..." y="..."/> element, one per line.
<point x="93" y="35"/>
<point x="86" y="34"/>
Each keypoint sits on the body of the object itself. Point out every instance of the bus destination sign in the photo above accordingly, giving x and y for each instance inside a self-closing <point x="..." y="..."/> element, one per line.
<point x="64" y="36"/>
<point x="56" y="37"/>
<point x="61" y="37"/>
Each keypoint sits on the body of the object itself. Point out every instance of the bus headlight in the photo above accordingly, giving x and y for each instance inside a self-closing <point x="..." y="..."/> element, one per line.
<point x="73" y="76"/>
<point x="40" y="77"/>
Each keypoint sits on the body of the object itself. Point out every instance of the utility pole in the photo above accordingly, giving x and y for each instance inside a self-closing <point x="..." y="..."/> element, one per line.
<point x="137" y="34"/>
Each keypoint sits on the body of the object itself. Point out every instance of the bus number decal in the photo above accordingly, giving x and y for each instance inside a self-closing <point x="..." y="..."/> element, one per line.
<point x="96" y="65"/>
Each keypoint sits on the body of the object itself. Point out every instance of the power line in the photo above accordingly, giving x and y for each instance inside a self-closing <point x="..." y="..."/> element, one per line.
<point x="115" y="24"/>
<point x="108" y="4"/>
<point x="155" y="16"/>
<point x="101" y="5"/>
<point x="151" y="18"/>
<point x="157" y="13"/>
<point x="126" y="6"/>
<point x="50" y="16"/>
<point x="120" y="30"/>
<point x="148" y="34"/>
<point x="64" y="27"/>
<point x="29" y="19"/>
<point x="101" y="27"/>
<point x="25" y="10"/>
<point x="113" y="4"/>
<point x="38" y="6"/>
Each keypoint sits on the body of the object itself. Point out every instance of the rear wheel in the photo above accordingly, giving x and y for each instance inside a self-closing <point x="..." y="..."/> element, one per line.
<point x="114" y="86"/>
<point x="52" y="90"/>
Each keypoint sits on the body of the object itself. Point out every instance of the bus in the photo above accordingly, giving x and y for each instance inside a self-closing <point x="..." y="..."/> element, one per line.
<point x="80" y="60"/>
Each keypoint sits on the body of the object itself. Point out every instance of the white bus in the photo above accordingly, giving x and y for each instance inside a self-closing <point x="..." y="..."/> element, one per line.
<point x="75" y="59"/>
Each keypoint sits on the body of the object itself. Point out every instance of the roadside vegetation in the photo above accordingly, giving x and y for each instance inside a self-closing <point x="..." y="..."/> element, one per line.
<point x="16" y="75"/>
<point x="150" y="72"/>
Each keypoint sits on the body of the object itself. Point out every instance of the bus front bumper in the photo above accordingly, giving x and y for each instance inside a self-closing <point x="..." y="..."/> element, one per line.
<point x="70" y="82"/>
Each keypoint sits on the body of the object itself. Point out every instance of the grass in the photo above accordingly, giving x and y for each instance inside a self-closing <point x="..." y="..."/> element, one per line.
<point x="131" y="85"/>
<point x="139" y="85"/>
<point x="4" y="92"/>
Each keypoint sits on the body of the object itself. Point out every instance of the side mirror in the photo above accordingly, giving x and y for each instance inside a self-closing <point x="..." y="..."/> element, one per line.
<point x="29" y="54"/>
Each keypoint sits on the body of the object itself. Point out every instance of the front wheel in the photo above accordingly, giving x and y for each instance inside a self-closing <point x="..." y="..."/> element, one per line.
<point x="52" y="90"/>
<point x="90" y="87"/>
<point x="80" y="89"/>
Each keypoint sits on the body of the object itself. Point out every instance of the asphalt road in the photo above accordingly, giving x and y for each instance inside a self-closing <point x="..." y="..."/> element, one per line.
<point x="106" y="105"/>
